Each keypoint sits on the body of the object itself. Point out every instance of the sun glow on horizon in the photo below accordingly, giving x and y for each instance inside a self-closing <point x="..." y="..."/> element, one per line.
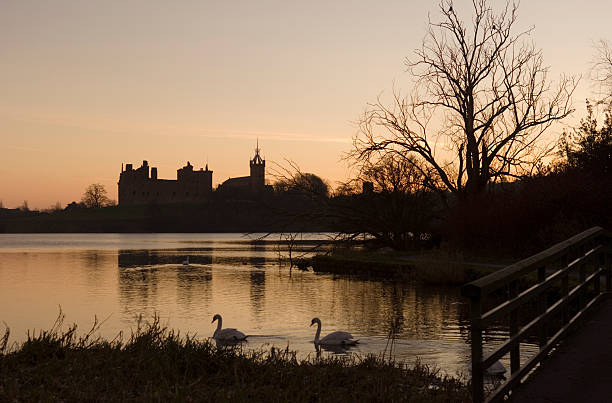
<point x="88" y="86"/>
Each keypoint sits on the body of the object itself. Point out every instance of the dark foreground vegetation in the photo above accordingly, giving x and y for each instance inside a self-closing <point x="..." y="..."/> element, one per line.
<point x="157" y="364"/>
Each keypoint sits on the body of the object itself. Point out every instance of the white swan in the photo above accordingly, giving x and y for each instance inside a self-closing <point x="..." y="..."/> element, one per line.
<point x="334" y="338"/>
<point x="226" y="334"/>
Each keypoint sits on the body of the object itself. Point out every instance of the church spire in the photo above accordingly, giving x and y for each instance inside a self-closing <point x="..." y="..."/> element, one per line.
<point x="257" y="158"/>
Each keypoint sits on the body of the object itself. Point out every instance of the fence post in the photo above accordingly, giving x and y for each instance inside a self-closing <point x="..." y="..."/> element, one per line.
<point x="542" y="332"/>
<point x="598" y="279"/>
<point x="608" y="266"/>
<point x="565" y="289"/>
<point x="582" y="277"/>
<point x="476" y="334"/>
<point x="515" y="353"/>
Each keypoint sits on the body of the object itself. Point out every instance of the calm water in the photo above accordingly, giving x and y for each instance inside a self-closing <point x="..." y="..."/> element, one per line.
<point x="118" y="277"/>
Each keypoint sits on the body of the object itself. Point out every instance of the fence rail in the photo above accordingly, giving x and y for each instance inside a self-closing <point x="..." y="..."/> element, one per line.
<point x="583" y="260"/>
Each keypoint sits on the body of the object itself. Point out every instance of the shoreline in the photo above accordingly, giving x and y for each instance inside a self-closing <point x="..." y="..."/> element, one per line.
<point x="157" y="363"/>
<point x="431" y="267"/>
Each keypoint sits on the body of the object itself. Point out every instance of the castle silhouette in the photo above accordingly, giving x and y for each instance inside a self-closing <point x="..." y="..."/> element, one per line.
<point x="139" y="186"/>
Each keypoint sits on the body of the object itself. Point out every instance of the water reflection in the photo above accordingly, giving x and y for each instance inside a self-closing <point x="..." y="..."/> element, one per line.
<point x="229" y="344"/>
<point x="93" y="263"/>
<point x="333" y="349"/>
<point x="194" y="286"/>
<point x="144" y="258"/>
<point x="138" y="289"/>
<point x="238" y="279"/>
<point x="142" y="273"/>
<point x="257" y="292"/>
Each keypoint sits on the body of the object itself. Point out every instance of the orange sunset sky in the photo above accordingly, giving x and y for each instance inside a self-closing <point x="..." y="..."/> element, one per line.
<point x="88" y="85"/>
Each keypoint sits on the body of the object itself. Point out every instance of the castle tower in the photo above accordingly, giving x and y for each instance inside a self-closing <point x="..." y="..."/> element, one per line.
<point x="258" y="171"/>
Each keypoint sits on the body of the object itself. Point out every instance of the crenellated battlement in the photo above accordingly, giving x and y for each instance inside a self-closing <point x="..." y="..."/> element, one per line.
<point x="142" y="186"/>
<point x="138" y="186"/>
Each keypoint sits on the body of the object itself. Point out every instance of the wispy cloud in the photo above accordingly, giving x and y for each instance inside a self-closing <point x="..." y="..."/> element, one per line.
<point x="110" y="126"/>
<point x="22" y="148"/>
<point x="275" y="136"/>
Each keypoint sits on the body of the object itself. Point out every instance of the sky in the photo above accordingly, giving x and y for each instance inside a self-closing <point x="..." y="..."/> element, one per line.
<point x="88" y="85"/>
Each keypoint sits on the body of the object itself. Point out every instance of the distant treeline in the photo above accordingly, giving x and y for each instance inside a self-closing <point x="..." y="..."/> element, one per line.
<point x="269" y="214"/>
<point x="523" y="217"/>
<point x="515" y="218"/>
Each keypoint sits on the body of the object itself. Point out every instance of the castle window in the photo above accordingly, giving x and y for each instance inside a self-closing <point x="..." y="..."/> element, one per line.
<point x="134" y="193"/>
<point x="173" y="194"/>
<point x="143" y="194"/>
<point x="158" y="194"/>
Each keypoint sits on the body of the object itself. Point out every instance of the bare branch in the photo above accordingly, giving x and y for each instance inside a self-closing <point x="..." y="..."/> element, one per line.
<point x="486" y="90"/>
<point x="601" y="71"/>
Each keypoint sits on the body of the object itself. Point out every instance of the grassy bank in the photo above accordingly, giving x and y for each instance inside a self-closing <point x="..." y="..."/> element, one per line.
<point x="157" y="364"/>
<point x="432" y="267"/>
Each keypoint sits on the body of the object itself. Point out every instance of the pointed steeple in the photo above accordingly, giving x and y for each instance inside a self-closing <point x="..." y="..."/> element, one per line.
<point x="257" y="178"/>
<point x="257" y="158"/>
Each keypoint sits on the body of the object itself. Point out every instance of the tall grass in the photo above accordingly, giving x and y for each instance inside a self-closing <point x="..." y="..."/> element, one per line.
<point x="158" y="364"/>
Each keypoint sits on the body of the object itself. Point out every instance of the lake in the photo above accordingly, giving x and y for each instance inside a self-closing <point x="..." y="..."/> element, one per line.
<point x="119" y="277"/>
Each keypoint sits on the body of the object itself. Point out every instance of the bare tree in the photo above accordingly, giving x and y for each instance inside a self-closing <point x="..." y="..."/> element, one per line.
<point x="291" y="179"/>
<point x="391" y="174"/>
<point x="399" y="210"/>
<point x="95" y="196"/>
<point x="481" y="100"/>
<point x="347" y="188"/>
<point x="397" y="214"/>
<point x="54" y="208"/>
<point x="602" y="70"/>
<point x="24" y="206"/>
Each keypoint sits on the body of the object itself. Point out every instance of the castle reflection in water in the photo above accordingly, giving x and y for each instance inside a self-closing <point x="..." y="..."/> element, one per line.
<point x="145" y="274"/>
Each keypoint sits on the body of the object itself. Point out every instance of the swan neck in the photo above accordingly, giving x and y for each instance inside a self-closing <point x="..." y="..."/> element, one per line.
<point x="316" y="339"/>
<point x="218" y="327"/>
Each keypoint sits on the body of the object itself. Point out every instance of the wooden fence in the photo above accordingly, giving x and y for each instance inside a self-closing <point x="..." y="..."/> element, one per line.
<point x="556" y="287"/>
